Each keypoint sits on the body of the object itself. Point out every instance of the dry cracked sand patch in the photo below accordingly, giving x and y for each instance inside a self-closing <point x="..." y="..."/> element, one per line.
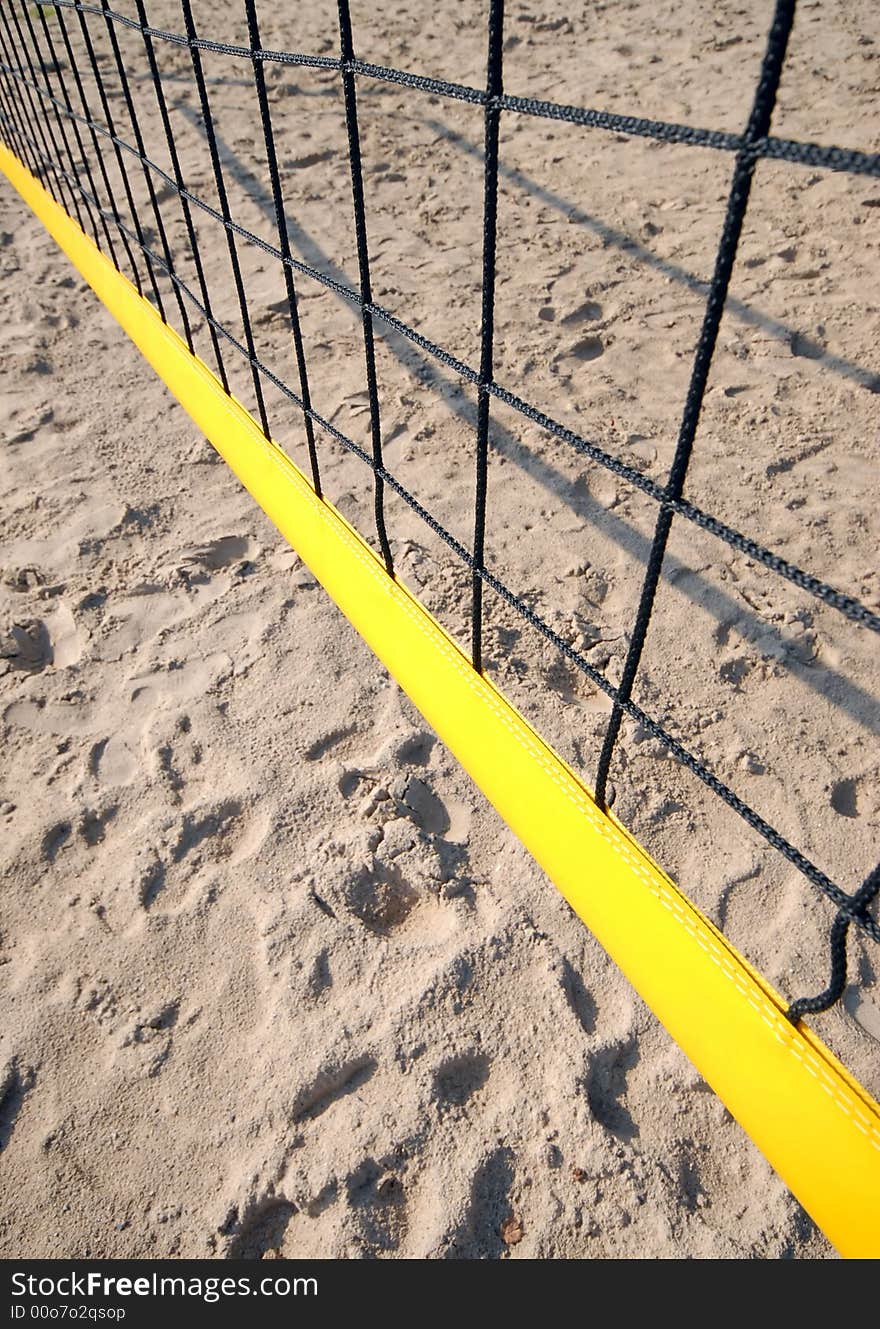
<point x="275" y="978"/>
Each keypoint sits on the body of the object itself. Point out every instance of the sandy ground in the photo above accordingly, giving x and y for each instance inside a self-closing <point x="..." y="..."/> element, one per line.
<point x="275" y="978"/>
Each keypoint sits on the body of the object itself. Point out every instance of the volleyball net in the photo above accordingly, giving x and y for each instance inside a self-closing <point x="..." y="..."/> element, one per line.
<point x="93" y="142"/>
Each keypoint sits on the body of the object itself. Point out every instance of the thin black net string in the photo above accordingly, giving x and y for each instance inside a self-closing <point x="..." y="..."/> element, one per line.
<point x="492" y="117"/>
<point x="854" y="909"/>
<point x="179" y="189"/>
<point x="73" y="66"/>
<point x="59" y="121"/>
<point x="737" y="204"/>
<point x="845" y="604"/>
<point x="363" y="254"/>
<point x="44" y="124"/>
<point x="815" y="155"/>
<point x="10" y="132"/>
<point x="283" y="241"/>
<point x="814" y="874"/>
<point x="119" y="157"/>
<point x="70" y="116"/>
<point x="13" y="126"/>
<point x="823" y="1001"/>
<point x="147" y="174"/>
<point x="30" y="115"/>
<point x="848" y="605"/>
<point x="223" y="199"/>
<point x="53" y="65"/>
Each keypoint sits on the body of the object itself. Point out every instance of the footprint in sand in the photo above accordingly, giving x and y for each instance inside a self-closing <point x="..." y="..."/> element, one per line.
<point x="382" y="900"/>
<point x="335" y="741"/>
<point x="377" y="1206"/>
<point x="92" y="825"/>
<point x="262" y="1229"/>
<point x="148" y="1042"/>
<point x="607" y="1074"/>
<point x="27" y="646"/>
<point x="864" y="1009"/>
<point x="479" y="1234"/>
<point x="223" y="552"/>
<point x="588" y="312"/>
<point x="55" y="839"/>
<point x="398" y="890"/>
<point x="845" y="798"/>
<point x="186" y="865"/>
<point x="330" y="1084"/>
<point x="581" y="352"/>
<point x="112" y="763"/>
<point x="458" y="1079"/>
<point x="15" y="1086"/>
<point x="137" y="620"/>
<point x="34" y="644"/>
<point x="163" y="686"/>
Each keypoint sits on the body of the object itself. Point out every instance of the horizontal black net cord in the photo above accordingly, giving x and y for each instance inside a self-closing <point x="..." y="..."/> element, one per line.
<point x="789" y="150"/>
<point x="848" y="605"/>
<point x="850" y="906"/>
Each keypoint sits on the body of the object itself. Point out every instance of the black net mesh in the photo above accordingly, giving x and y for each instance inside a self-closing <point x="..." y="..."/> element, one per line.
<point x="89" y="101"/>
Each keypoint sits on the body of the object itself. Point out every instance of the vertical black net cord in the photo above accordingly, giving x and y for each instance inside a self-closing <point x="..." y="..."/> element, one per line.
<point x="864" y="896"/>
<point x="43" y="123"/>
<point x="21" y="99"/>
<point x="224" y="209"/>
<point x="148" y="178"/>
<point x="283" y="238"/>
<point x="54" y="65"/>
<point x="11" y="100"/>
<point x="363" y="253"/>
<point x="494" y="90"/>
<point x="16" y="130"/>
<point x="99" y="157"/>
<point x="59" y="121"/>
<point x="8" y="135"/>
<point x="120" y="159"/>
<point x="11" y="134"/>
<point x="80" y="146"/>
<point x="186" y="211"/>
<point x="743" y="173"/>
<point x="25" y="116"/>
<point x="28" y="111"/>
